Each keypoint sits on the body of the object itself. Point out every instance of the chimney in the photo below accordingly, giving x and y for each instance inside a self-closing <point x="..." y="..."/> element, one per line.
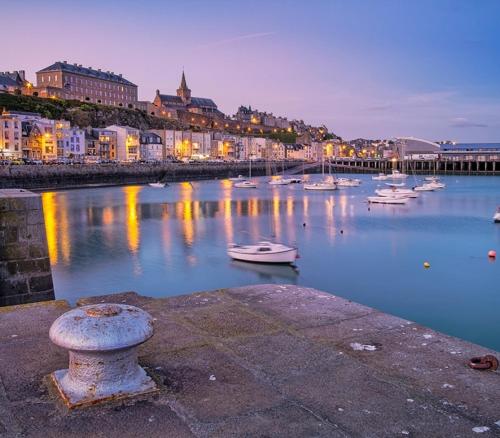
<point x="98" y="69"/>
<point x="75" y="64"/>
<point x="22" y="74"/>
<point x="90" y="68"/>
<point x="65" y="62"/>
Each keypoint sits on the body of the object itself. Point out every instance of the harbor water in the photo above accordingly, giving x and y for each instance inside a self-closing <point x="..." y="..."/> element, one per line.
<point x="170" y="241"/>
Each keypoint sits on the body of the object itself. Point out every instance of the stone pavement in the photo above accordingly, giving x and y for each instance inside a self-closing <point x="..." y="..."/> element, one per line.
<point x="258" y="361"/>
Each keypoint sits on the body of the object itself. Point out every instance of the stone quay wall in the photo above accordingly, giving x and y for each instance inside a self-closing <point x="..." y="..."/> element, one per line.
<point x="67" y="176"/>
<point x="25" y="273"/>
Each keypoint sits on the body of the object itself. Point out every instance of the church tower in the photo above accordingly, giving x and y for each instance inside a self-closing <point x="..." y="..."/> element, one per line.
<point x="183" y="91"/>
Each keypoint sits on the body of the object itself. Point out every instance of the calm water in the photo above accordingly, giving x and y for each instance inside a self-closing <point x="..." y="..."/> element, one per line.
<point x="171" y="241"/>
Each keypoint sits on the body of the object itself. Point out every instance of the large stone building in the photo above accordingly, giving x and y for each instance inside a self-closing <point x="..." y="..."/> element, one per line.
<point x="72" y="81"/>
<point x="169" y="105"/>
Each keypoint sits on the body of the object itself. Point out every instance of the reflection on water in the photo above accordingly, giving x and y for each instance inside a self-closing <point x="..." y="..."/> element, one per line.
<point x="133" y="230"/>
<point x="172" y="241"/>
<point x="269" y="272"/>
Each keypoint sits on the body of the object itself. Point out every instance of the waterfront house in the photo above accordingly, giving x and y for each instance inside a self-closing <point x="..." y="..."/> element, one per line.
<point x="10" y="137"/>
<point x="127" y="142"/>
<point x="151" y="147"/>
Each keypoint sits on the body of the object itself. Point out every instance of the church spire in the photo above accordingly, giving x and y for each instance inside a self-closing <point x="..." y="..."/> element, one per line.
<point x="183" y="91"/>
<point x="183" y="82"/>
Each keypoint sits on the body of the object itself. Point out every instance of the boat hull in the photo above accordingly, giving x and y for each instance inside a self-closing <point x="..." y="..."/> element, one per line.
<point x="386" y="200"/>
<point x="245" y="185"/>
<point x="320" y="187"/>
<point x="285" y="256"/>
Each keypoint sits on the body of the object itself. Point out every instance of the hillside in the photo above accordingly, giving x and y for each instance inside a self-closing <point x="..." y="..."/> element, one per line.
<point x="85" y="114"/>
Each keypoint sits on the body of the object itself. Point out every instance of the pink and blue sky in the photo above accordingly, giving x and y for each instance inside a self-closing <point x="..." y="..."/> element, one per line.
<point x="364" y="68"/>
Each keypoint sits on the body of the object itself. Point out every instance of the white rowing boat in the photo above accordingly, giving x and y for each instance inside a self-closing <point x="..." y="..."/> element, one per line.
<point x="263" y="252"/>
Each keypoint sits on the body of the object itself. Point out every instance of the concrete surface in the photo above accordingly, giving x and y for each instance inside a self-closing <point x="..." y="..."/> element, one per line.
<point x="258" y="361"/>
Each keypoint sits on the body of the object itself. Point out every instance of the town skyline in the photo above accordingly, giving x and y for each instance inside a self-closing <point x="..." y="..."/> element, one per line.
<point x="325" y="75"/>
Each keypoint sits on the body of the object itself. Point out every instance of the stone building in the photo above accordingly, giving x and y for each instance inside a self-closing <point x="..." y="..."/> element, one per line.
<point x="169" y="105"/>
<point x="73" y="81"/>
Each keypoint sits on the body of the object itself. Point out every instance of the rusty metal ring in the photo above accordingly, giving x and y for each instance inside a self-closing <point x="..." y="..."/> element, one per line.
<point x="488" y="362"/>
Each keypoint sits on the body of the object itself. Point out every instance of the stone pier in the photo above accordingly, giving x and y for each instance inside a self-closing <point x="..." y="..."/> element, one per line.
<point x="25" y="274"/>
<point x="258" y="361"/>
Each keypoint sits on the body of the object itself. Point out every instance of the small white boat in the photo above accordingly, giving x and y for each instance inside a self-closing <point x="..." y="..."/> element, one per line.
<point x="424" y="188"/>
<point x="294" y="180"/>
<point x="431" y="178"/>
<point x="238" y="178"/>
<point x="157" y="185"/>
<point x="263" y="252"/>
<point x="396" y="174"/>
<point x="386" y="200"/>
<point x="245" y="185"/>
<point x="401" y="184"/>
<point x="279" y="182"/>
<point x="397" y="193"/>
<point x="380" y="177"/>
<point x="496" y="216"/>
<point x="436" y="185"/>
<point x="324" y="185"/>
<point x="348" y="182"/>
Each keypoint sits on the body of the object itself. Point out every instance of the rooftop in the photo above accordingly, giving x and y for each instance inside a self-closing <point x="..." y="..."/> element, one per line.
<point x="266" y="360"/>
<point x="86" y="71"/>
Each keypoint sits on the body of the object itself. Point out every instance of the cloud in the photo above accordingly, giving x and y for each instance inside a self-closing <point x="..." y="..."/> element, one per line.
<point x="235" y="39"/>
<point x="462" y="122"/>
<point x="433" y="97"/>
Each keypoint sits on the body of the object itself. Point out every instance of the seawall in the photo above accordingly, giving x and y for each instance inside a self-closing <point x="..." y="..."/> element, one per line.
<point x="67" y="176"/>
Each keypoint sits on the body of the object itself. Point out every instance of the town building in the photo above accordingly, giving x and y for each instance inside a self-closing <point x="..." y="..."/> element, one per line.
<point x="151" y="147"/>
<point x="10" y="137"/>
<point x="247" y="115"/>
<point x="13" y="81"/>
<point x="169" y="105"/>
<point x="107" y="143"/>
<point x="73" y="81"/>
<point x="294" y="151"/>
<point x="127" y="142"/>
<point x="70" y="140"/>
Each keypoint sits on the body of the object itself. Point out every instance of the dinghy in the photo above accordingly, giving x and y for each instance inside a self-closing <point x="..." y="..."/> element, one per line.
<point x="263" y="252"/>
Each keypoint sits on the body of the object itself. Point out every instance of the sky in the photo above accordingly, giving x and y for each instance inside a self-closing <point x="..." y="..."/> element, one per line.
<point x="364" y="68"/>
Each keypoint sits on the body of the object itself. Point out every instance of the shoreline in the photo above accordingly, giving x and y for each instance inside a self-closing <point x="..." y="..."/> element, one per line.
<point x="70" y="177"/>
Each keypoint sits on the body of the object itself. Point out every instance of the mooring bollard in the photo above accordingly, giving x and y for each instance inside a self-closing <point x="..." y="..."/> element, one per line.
<point x="102" y="340"/>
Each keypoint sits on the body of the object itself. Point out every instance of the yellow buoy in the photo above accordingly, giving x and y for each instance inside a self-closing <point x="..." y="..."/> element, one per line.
<point x="427" y="265"/>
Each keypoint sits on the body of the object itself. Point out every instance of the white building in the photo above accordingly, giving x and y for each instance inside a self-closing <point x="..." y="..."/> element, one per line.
<point x="70" y="141"/>
<point x="127" y="142"/>
<point x="151" y="147"/>
<point x="10" y="137"/>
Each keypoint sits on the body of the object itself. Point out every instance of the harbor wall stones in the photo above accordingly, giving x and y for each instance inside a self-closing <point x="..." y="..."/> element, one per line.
<point x="66" y="176"/>
<point x="25" y="273"/>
